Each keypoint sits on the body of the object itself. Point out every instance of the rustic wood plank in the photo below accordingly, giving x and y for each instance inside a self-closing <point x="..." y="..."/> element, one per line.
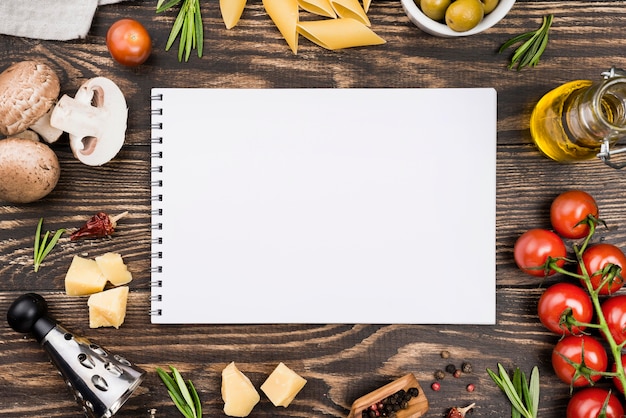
<point x="341" y="362"/>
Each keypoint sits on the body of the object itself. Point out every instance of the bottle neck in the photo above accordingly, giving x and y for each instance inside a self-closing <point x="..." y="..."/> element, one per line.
<point x="599" y="111"/>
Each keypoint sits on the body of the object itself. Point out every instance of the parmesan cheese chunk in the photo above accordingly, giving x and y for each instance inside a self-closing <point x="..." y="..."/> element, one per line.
<point x="114" y="269"/>
<point x="83" y="277"/>
<point x="238" y="393"/>
<point x="108" y="308"/>
<point x="282" y="386"/>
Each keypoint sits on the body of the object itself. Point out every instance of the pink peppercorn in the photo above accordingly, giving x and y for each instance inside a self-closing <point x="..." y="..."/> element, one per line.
<point x="435" y="386"/>
<point x="470" y="387"/>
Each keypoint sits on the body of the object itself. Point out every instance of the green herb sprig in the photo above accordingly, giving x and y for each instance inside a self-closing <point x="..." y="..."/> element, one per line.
<point x="183" y="394"/>
<point x="533" y="46"/>
<point x="522" y="393"/>
<point x="42" y="247"/>
<point x="188" y="25"/>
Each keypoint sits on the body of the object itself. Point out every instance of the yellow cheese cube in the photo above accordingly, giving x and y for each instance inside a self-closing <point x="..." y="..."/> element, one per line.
<point x="108" y="308"/>
<point x="282" y="385"/>
<point x="83" y="277"/>
<point x="114" y="269"/>
<point x="238" y="393"/>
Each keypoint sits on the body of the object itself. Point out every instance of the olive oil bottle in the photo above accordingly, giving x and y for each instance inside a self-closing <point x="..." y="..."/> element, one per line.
<point x="571" y="122"/>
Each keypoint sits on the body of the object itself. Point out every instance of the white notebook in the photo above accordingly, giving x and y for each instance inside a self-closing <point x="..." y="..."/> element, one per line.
<point x="324" y="206"/>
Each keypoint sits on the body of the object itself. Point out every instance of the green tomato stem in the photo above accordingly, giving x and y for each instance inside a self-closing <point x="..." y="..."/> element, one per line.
<point x="594" y="294"/>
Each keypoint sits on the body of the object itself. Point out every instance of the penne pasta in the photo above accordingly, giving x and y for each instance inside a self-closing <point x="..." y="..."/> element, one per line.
<point x="366" y="5"/>
<point x="339" y="33"/>
<point x="319" y="7"/>
<point x="284" y="14"/>
<point x="231" y="11"/>
<point x="351" y="9"/>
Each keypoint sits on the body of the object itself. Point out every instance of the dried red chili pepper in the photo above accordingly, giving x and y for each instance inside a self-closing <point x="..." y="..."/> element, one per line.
<point x="100" y="225"/>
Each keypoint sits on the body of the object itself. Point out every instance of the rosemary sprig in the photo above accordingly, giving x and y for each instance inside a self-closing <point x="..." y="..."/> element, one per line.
<point x="188" y="25"/>
<point x="42" y="247"/>
<point x="523" y="394"/>
<point x="533" y="46"/>
<point x="183" y="394"/>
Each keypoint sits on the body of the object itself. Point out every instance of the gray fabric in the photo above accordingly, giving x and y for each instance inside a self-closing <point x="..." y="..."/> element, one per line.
<point x="60" y="20"/>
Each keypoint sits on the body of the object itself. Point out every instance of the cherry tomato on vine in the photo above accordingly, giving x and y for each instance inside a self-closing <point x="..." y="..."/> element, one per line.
<point x="599" y="256"/>
<point x="570" y="208"/>
<point x="571" y="348"/>
<point x="534" y="247"/>
<point x="588" y="402"/>
<point x="129" y="42"/>
<point x="614" y="311"/>
<point x="559" y="299"/>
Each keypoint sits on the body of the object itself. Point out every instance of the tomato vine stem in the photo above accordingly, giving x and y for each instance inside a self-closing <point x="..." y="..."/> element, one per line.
<point x="594" y="294"/>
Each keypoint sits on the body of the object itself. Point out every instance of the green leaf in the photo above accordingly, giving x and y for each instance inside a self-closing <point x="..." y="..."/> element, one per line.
<point x="188" y="26"/>
<point x="41" y="246"/>
<point x="187" y="403"/>
<point x="196" y="398"/>
<point x="533" y="390"/>
<point x="511" y="390"/>
<point x="533" y="45"/>
<point x="182" y="386"/>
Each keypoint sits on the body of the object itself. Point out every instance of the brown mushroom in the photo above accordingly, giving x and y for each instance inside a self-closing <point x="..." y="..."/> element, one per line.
<point x="95" y="119"/>
<point x="29" y="170"/>
<point x="28" y="91"/>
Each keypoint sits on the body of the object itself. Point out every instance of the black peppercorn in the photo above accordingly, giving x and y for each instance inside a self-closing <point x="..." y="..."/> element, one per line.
<point x="466" y="367"/>
<point x="450" y="368"/>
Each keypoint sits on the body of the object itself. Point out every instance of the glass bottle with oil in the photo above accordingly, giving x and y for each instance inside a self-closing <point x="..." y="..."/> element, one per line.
<point x="576" y="120"/>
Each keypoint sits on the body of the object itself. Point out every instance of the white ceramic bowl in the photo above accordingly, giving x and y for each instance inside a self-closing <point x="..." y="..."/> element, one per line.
<point x="441" y="29"/>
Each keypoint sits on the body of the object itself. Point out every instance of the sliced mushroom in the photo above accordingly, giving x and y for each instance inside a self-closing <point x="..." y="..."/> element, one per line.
<point x="95" y="119"/>
<point x="28" y="91"/>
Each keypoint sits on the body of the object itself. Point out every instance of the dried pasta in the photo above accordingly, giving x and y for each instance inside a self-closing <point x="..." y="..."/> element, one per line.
<point x="318" y="7"/>
<point x="350" y="8"/>
<point x="284" y="14"/>
<point x="231" y="11"/>
<point x="366" y="5"/>
<point x="339" y="33"/>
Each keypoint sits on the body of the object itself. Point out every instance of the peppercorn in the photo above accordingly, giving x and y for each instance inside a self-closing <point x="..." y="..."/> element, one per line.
<point x="457" y="373"/>
<point x="435" y="386"/>
<point x="450" y="368"/>
<point x="439" y="374"/>
<point x="445" y="354"/>
<point x="470" y="387"/>
<point x="466" y="367"/>
<point x="393" y="403"/>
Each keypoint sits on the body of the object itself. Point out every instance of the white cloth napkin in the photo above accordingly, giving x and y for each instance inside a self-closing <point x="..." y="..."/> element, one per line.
<point x="60" y="20"/>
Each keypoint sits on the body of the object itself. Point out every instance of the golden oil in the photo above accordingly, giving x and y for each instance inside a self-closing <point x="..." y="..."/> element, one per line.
<point x="571" y="122"/>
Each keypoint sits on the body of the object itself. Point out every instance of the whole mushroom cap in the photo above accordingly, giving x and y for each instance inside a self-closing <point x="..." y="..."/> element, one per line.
<point x="29" y="170"/>
<point x="28" y="90"/>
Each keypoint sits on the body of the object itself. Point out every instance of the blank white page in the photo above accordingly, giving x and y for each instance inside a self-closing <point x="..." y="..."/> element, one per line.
<point x="324" y="205"/>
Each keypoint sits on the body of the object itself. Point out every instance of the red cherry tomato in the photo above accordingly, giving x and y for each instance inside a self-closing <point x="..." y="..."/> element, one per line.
<point x="557" y="300"/>
<point x="129" y="42"/>
<point x="534" y="247"/>
<point x="571" y="347"/>
<point x="588" y="402"/>
<point x="596" y="258"/>
<point x="570" y="208"/>
<point x="614" y="311"/>
<point x="616" y="381"/>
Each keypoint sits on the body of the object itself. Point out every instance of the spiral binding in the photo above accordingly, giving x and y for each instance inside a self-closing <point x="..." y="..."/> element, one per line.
<point x="156" y="183"/>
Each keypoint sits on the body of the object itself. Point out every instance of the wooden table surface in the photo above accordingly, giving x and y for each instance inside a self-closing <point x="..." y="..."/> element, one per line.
<point x="340" y="362"/>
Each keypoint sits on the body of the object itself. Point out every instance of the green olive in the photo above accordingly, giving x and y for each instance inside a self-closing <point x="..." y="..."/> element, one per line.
<point x="463" y="15"/>
<point x="435" y="9"/>
<point x="489" y="5"/>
